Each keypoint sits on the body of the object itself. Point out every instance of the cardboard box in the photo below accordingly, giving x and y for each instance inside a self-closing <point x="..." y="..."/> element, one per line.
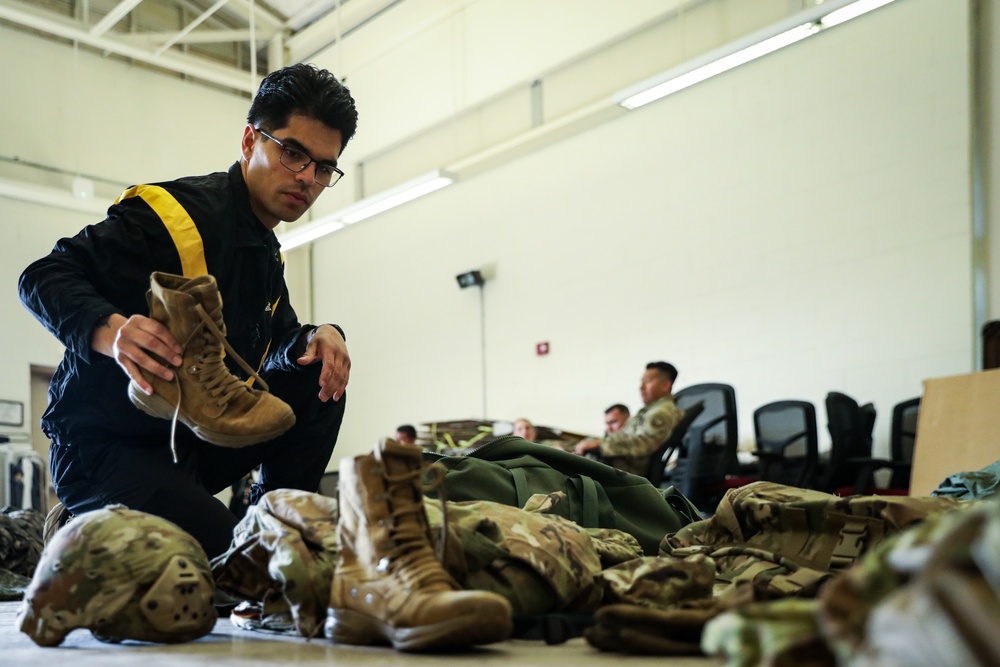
<point x="958" y="429"/>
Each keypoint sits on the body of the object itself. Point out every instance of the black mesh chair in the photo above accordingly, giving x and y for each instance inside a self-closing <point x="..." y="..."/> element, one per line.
<point x="329" y="483"/>
<point x="903" y="437"/>
<point x="708" y="451"/>
<point x="850" y="427"/>
<point x="787" y="442"/>
<point x="656" y="472"/>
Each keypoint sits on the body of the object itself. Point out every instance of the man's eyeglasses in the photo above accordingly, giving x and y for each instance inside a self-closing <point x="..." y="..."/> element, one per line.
<point x="297" y="160"/>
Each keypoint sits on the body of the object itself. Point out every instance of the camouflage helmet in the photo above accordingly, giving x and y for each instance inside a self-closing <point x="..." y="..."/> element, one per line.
<point x="122" y="574"/>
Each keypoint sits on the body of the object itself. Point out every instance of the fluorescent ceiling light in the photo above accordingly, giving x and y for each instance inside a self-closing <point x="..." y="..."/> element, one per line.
<point x="408" y="191"/>
<point x="366" y="208"/>
<point x="673" y="84"/>
<point x="809" y="22"/>
<point x="309" y="233"/>
<point x="59" y="198"/>
<point x="851" y="11"/>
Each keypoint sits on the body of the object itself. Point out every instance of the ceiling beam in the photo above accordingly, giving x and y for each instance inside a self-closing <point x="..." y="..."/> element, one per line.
<point x="190" y="26"/>
<point x="311" y="13"/>
<point x="209" y="36"/>
<point x="223" y="76"/>
<point x="326" y="30"/>
<point x="242" y="9"/>
<point x="120" y="11"/>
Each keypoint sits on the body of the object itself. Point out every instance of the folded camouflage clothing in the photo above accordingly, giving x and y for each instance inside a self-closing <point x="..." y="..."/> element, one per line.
<point x="766" y="542"/>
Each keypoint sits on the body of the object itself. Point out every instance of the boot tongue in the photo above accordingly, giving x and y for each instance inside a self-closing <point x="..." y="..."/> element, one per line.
<point x="388" y="446"/>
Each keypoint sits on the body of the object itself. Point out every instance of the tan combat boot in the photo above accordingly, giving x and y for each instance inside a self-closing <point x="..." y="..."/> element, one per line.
<point x="218" y="406"/>
<point x="389" y="586"/>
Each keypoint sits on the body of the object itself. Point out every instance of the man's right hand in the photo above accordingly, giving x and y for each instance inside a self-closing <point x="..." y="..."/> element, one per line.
<point x="588" y="445"/>
<point x="132" y="342"/>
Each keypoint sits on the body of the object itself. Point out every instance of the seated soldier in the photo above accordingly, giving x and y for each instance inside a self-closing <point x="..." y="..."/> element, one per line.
<point x="406" y="434"/>
<point x="629" y="448"/>
<point x="615" y="418"/>
<point x="525" y="429"/>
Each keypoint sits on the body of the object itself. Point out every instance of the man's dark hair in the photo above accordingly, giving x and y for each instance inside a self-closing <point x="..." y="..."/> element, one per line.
<point x="408" y="430"/>
<point x="308" y="91"/>
<point x="663" y="367"/>
<point x="617" y="406"/>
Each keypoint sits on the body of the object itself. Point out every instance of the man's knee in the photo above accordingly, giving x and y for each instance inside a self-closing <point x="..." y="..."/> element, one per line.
<point x="300" y="389"/>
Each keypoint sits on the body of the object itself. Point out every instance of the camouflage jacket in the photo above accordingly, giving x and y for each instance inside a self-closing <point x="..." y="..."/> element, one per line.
<point x="629" y="448"/>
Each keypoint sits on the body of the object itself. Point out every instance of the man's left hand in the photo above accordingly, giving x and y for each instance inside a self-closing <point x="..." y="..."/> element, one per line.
<point x="326" y="345"/>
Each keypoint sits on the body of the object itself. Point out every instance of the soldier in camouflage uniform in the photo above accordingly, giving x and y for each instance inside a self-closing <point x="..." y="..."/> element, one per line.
<point x="629" y="448"/>
<point x="122" y="574"/>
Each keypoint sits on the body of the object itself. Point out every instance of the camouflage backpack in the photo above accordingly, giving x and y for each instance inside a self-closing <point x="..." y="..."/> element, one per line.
<point x="509" y="470"/>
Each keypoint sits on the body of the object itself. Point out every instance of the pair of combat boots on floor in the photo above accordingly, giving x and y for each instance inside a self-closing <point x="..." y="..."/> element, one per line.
<point x="389" y="586"/>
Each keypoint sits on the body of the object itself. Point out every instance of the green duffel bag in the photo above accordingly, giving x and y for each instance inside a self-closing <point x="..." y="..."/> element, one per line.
<point x="510" y="470"/>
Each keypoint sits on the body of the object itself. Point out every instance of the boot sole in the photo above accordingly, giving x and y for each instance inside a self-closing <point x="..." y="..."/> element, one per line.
<point x="157" y="406"/>
<point x="344" y="626"/>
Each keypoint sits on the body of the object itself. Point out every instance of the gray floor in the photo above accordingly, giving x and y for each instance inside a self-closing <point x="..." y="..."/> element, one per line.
<point x="228" y="645"/>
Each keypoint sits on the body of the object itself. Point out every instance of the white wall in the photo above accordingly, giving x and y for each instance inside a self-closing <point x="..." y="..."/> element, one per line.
<point x="796" y="226"/>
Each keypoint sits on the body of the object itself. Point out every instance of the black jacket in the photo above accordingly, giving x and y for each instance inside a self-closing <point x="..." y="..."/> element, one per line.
<point x="106" y="269"/>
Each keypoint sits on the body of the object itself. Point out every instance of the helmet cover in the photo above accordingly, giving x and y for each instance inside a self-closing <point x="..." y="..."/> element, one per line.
<point x="122" y="574"/>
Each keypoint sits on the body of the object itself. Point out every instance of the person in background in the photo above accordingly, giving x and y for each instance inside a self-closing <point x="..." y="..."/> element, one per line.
<point x="629" y="448"/>
<point x="406" y="434"/>
<point x="525" y="429"/>
<point x="615" y="418"/>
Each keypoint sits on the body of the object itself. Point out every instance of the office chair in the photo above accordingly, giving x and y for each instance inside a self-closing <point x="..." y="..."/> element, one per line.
<point x="787" y="442"/>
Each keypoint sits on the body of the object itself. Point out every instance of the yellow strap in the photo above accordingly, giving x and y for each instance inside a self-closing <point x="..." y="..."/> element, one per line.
<point x="179" y="224"/>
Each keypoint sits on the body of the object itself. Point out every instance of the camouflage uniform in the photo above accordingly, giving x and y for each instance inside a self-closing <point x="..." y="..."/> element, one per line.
<point x="20" y="548"/>
<point x="20" y="539"/>
<point x="928" y="598"/>
<point x="283" y="556"/>
<point x="629" y="448"/>
<point x="765" y="542"/>
<point x="925" y="597"/>
<point x="122" y="574"/>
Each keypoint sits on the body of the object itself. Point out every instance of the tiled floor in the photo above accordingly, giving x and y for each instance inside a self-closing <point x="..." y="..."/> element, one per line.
<point x="228" y="645"/>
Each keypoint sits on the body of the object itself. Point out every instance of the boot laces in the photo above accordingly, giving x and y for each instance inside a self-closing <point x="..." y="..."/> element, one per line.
<point x="411" y="556"/>
<point x="209" y="341"/>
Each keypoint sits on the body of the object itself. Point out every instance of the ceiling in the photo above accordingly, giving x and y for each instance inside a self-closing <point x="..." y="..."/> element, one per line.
<point x="209" y="40"/>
